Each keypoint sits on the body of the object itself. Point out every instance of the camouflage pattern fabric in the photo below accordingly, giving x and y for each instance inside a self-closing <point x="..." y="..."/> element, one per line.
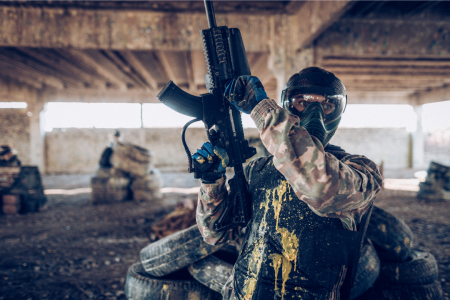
<point x="330" y="187"/>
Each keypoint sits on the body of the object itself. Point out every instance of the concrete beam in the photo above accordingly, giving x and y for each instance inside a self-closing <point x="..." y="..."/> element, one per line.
<point x="12" y="91"/>
<point x="84" y="60"/>
<point x="137" y="65"/>
<point x="360" y="38"/>
<point x="314" y="17"/>
<point x="432" y="95"/>
<point x="119" y="30"/>
<point x="380" y="97"/>
<point x="146" y="30"/>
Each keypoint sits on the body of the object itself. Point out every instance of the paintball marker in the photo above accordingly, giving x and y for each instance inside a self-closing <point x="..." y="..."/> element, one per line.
<point x="225" y="59"/>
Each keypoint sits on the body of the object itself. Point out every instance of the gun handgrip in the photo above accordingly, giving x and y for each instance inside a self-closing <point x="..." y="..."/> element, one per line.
<point x="180" y="101"/>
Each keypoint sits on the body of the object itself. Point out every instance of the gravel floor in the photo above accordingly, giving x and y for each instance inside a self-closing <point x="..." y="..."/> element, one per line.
<point x="75" y="250"/>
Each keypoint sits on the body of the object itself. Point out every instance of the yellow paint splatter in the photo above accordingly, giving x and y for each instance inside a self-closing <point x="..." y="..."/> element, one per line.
<point x="277" y="261"/>
<point x="201" y="159"/>
<point x="406" y="241"/>
<point x="289" y="241"/>
<point x="280" y="260"/>
<point x="165" y="292"/>
<point x="278" y="195"/>
<point x="382" y="227"/>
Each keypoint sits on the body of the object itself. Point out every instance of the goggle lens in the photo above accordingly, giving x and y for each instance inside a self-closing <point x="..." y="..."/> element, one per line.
<point x="333" y="105"/>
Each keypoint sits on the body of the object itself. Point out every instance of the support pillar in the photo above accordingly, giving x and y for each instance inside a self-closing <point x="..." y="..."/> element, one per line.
<point x="36" y="110"/>
<point x="285" y="59"/>
<point x="418" y="141"/>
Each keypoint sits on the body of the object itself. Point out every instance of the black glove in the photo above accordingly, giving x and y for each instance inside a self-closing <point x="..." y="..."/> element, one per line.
<point x="244" y="92"/>
<point x="211" y="161"/>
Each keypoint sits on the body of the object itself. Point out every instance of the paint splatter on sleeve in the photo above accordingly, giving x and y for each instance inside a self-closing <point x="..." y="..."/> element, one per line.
<point x="331" y="187"/>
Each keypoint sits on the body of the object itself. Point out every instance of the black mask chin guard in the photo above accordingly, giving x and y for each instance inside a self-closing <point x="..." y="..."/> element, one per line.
<point x="312" y="120"/>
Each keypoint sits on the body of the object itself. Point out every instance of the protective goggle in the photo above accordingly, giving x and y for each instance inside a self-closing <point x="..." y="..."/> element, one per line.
<point x="333" y="105"/>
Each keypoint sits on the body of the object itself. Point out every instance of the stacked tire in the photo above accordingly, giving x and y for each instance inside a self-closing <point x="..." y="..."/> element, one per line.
<point x="388" y="268"/>
<point x="162" y="272"/>
<point x="128" y="174"/>
<point x="437" y="183"/>
<point x="405" y="273"/>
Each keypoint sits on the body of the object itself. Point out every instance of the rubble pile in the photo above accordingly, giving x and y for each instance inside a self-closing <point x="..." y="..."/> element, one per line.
<point x="126" y="172"/>
<point x="183" y="266"/>
<point x="437" y="183"/>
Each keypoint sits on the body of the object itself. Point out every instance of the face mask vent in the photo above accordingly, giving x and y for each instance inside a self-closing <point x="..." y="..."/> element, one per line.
<point x="315" y="128"/>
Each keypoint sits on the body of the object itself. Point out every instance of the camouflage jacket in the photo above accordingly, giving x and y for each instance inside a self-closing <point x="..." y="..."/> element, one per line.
<point x="330" y="187"/>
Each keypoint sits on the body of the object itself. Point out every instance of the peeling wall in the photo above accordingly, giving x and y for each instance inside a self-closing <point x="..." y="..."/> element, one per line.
<point x="78" y="150"/>
<point x="390" y="145"/>
<point x="15" y="132"/>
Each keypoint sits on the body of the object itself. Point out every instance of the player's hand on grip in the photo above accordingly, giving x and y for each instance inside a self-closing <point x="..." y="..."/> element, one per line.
<point x="244" y="92"/>
<point x="211" y="162"/>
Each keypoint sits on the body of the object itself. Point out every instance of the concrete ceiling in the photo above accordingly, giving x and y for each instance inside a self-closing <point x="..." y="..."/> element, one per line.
<point x="402" y="48"/>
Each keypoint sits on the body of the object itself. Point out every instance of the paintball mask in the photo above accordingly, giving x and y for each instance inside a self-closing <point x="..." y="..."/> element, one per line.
<point x="318" y="98"/>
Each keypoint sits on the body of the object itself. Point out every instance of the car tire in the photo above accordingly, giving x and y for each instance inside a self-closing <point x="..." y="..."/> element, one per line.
<point x="420" y="268"/>
<point x="175" y="252"/>
<point x="391" y="237"/>
<point x="367" y="271"/>
<point x="213" y="271"/>
<point x="178" y="285"/>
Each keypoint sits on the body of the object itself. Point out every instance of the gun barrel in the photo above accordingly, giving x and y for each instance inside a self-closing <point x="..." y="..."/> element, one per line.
<point x="210" y="14"/>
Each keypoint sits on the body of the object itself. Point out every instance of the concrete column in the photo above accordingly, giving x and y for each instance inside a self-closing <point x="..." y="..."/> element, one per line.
<point x="285" y="59"/>
<point x="36" y="110"/>
<point x="418" y="146"/>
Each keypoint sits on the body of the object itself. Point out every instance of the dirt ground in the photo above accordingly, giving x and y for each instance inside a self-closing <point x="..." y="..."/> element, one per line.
<point x="75" y="250"/>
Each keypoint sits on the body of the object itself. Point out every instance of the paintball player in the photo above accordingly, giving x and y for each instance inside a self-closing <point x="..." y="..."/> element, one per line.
<point x="106" y="154"/>
<point x="308" y="198"/>
<point x="8" y="157"/>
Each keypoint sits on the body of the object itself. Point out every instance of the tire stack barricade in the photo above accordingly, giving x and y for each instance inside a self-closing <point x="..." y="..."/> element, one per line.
<point x="129" y="174"/>
<point x="405" y="273"/>
<point x="182" y="265"/>
<point x="437" y="183"/>
<point x="162" y="273"/>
